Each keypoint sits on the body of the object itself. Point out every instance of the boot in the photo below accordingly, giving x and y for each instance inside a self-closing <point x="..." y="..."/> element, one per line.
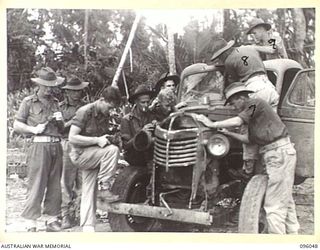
<point x="67" y="222"/>
<point x="53" y="226"/>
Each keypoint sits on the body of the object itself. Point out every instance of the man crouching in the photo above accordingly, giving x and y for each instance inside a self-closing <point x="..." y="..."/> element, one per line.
<point x="93" y="153"/>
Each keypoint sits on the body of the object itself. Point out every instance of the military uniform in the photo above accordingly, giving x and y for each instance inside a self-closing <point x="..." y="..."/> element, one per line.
<point x="131" y="124"/>
<point x="71" y="177"/>
<point x="245" y="65"/>
<point x="92" y="160"/>
<point x="267" y="38"/>
<point x="278" y="155"/>
<point x="276" y="42"/>
<point x="44" y="157"/>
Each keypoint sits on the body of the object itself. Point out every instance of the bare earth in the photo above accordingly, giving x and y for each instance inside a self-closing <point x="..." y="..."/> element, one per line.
<point x="16" y="195"/>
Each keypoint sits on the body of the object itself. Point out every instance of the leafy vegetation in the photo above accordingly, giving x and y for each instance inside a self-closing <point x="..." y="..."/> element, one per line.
<point x="89" y="43"/>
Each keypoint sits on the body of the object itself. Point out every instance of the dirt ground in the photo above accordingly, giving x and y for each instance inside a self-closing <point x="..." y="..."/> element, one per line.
<point x="16" y="195"/>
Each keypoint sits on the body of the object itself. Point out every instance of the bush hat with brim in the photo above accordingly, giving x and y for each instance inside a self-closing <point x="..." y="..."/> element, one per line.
<point x="75" y="84"/>
<point x="47" y="77"/>
<point x="235" y="88"/>
<point x="141" y="90"/>
<point x="258" y="22"/>
<point x="166" y="77"/>
<point x="221" y="46"/>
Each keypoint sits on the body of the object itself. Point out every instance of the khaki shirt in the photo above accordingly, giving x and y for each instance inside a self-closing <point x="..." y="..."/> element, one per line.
<point x="243" y="63"/>
<point x="264" y="125"/>
<point x="131" y="124"/>
<point x="68" y="110"/>
<point x="33" y="112"/>
<point x="91" y="122"/>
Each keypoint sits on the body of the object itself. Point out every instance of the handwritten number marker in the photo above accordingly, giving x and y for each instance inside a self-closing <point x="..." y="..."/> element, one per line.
<point x="244" y="59"/>
<point x="273" y="43"/>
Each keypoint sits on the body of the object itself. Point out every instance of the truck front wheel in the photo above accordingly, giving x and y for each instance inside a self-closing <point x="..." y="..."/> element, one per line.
<point x="131" y="185"/>
<point x="252" y="218"/>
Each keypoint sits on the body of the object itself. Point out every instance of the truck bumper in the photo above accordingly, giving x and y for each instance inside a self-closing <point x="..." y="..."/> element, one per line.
<point x="174" y="214"/>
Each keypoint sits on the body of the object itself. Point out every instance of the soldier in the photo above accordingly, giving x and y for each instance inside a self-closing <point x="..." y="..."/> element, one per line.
<point x="268" y="42"/>
<point x="39" y="117"/>
<point x="275" y="149"/>
<point x="243" y="64"/>
<point x="167" y="81"/>
<point x="93" y="153"/>
<point x="71" y="178"/>
<point x="170" y="82"/>
<point x="139" y="118"/>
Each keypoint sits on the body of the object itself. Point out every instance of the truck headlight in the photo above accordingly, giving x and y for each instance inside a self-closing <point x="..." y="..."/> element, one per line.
<point x="218" y="145"/>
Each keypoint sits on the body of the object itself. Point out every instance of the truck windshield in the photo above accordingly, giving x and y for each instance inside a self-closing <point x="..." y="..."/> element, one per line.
<point x="202" y="86"/>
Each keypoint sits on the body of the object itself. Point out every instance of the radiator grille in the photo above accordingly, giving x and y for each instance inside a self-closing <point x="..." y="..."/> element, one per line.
<point x="176" y="152"/>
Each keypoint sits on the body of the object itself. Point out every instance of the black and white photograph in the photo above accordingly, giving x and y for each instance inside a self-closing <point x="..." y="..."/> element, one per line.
<point x="161" y="120"/>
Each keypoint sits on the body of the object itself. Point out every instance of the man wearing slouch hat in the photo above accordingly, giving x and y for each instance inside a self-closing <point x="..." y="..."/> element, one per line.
<point x="139" y="118"/>
<point x="269" y="43"/>
<point x="243" y="64"/>
<point x="277" y="153"/>
<point x="39" y="116"/>
<point x="71" y="176"/>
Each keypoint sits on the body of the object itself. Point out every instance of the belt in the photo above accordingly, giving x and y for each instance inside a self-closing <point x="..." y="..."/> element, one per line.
<point x="276" y="144"/>
<point x="45" y="138"/>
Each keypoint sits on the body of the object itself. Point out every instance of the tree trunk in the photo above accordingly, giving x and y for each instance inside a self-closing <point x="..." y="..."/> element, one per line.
<point x="299" y="26"/>
<point x="226" y="21"/>
<point x="126" y="50"/>
<point x="281" y="25"/>
<point x="86" y="17"/>
<point x="171" y="54"/>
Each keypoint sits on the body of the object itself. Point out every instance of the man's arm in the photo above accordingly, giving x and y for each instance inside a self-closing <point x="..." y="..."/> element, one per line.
<point x="267" y="49"/>
<point x="81" y="140"/>
<point x="231" y="122"/>
<point x="23" y="128"/>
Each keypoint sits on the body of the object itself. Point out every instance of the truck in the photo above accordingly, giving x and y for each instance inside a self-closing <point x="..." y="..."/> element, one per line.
<point x="189" y="180"/>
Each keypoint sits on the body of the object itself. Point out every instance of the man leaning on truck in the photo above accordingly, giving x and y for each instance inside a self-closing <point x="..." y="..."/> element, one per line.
<point x="243" y="64"/>
<point x="277" y="153"/>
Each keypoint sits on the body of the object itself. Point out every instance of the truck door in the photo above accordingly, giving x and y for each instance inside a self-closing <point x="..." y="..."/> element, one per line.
<point x="297" y="111"/>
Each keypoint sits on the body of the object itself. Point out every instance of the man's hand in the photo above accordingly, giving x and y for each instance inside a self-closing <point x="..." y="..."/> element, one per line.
<point x="154" y="103"/>
<point x="39" y="128"/>
<point x="205" y="120"/>
<point x="149" y="127"/>
<point x="103" y="141"/>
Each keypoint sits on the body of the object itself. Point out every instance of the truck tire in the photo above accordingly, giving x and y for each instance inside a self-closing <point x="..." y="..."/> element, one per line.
<point x="252" y="217"/>
<point x="131" y="186"/>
